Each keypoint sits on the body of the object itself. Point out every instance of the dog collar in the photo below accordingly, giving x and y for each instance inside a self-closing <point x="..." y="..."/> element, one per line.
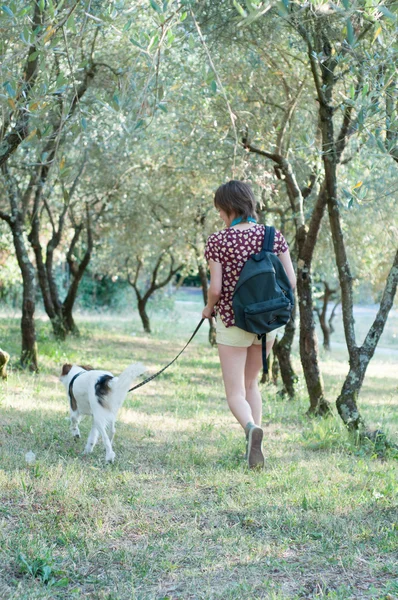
<point x="73" y="403"/>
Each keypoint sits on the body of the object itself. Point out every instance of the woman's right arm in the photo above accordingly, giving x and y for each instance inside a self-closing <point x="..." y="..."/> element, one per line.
<point x="215" y="287"/>
<point x="286" y="261"/>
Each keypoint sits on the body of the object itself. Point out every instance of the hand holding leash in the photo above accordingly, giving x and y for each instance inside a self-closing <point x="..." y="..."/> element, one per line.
<point x="170" y="363"/>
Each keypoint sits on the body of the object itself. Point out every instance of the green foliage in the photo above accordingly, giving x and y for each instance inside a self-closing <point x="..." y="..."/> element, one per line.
<point x="103" y="292"/>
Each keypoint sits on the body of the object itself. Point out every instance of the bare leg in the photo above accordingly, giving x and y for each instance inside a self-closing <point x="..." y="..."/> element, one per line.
<point x="91" y="440"/>
<point x="233" y="361"/>
<point x="254" y="364"/>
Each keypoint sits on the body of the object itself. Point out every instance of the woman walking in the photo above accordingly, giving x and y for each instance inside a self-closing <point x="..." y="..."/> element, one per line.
<point x="240" y="352"/>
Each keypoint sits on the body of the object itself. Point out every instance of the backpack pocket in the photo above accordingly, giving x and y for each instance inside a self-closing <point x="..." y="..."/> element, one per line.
<point x="268" y="315"/>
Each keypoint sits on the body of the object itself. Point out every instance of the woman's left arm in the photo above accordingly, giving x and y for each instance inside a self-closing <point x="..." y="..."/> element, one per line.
<point x="286" y="261"/>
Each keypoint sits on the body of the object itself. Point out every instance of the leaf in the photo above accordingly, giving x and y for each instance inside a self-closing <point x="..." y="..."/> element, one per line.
<point x="61" y="582"/>
<point x="62" y="163"/>
<point x="50" y="5"/>
<point x="387" y="13"/>
<point x="33" y="56"/>
<point x="346" y="4"/>
<point x="139" y="124"/>
<point x="282" y="8"/>
<point x="377" y="33"/>
<point x="8" y="11"/>
<point x="153" y="41"/>
<point x="84" y="123"/>
<point x="11" y="102"/>
<point x="361" y="117"/>
<point x="60" y="80"/>
<point x="155" y="6"/>
<point x="50" y="32"/>
<point x="10" y="90"/>
<point x="183" y="16"/>
<point x="381" y="145"/>
<point x="25" y="35"/>
<point x="357" y="185"/>
<point x="350" y="33"/>
<point x="70" y="23"/>
<point x="163" y="106"/>
<point x="136" y="44"/>
<point x="239" y="8"/>
<point x="213" y="86"/>
<point x="31" y="135"/>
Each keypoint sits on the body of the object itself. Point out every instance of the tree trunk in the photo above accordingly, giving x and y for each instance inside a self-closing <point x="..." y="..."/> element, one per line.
<point x="29" y="357"/>
<point x="154" y="285"/>
<point x="50" y="306"/>
<point x="360" y="357"/>
<point x="282" y="350"/>
<point x="309" y="351"/>
<point x="309" y="346"/>
<point x="322" y="315"/>
<point x="68" y="323"/>
<point x="143" y="315"/>
<point x="4" y="358"/>
<point x="306" y="241"/>
<point x="275" y="365"/>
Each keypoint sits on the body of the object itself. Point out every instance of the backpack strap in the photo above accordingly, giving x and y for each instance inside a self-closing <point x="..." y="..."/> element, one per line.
<point x="269" y="236"/>
<point x="264" y="352"/>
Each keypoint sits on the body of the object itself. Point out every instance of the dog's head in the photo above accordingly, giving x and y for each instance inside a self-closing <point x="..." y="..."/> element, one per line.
<point x="66" y="368"/>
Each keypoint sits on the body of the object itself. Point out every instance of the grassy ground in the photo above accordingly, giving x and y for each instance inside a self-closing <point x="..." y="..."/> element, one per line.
<point x="179" y="515"/>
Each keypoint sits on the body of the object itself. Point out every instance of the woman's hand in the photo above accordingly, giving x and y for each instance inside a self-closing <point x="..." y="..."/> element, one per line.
<point x="207" y="312"/>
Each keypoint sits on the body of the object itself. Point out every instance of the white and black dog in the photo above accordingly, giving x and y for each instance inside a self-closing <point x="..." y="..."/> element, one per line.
<point x="100" y="394"/>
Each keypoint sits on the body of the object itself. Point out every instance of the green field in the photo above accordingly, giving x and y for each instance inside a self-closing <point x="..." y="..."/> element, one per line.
<point x="178" y="515"/>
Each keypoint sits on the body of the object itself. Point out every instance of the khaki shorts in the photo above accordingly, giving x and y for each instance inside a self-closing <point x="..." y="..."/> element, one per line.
<point x="234" y="336"/>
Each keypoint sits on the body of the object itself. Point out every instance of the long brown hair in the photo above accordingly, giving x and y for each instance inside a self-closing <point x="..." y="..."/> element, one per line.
<point x="236" y="197"/>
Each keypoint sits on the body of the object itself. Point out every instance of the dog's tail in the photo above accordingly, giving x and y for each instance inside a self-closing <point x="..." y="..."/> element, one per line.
<point x="122" y="383"/>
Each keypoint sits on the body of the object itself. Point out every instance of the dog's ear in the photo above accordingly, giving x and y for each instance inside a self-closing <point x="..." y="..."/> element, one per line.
<point x="87" y="367"/>
<point x="65" y="369"/>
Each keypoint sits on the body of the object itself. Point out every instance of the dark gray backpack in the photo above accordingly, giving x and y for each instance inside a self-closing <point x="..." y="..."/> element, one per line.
<point x="263" y="298"/>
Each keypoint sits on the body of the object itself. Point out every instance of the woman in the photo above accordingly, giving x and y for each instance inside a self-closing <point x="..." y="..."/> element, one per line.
<point x="240" y="352"/>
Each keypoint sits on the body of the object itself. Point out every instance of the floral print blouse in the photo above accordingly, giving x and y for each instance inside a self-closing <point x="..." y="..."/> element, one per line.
<point x="232" y="247"/>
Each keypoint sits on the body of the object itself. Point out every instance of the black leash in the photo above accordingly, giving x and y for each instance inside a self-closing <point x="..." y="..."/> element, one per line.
<point x="174" y="359"/>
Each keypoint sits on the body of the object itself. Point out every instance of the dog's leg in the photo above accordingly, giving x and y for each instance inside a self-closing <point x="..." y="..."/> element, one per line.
<point x="75" y="419"/>
<point x="112" y="429"/>
<point x="91" y="440"/>
<point x="110" y="455"/>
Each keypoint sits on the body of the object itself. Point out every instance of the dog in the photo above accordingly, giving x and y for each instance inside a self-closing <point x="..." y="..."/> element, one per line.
<point x="100" y="394"/>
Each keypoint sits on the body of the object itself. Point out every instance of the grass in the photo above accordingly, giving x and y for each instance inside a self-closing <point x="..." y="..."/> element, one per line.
<point x="179" y="516"/>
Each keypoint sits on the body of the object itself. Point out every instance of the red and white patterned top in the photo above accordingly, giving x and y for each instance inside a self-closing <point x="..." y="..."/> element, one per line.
<point x="232" y="248"/>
